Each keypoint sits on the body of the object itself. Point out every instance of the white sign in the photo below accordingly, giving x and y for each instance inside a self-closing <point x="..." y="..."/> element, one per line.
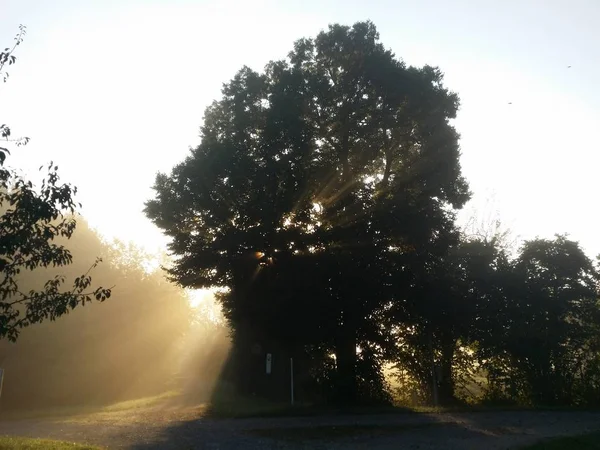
<point x="268" y="363"/>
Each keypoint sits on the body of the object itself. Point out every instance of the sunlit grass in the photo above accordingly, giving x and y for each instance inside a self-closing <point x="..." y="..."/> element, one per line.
<point x="17" y="443"/>
<point x="141" y="403"/>
<point x="133" y="411"/>
<point x="70" y="411"/>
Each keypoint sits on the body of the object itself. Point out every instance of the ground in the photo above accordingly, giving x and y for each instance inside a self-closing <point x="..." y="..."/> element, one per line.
<point x="174" y="426"/>
<point x="589" y="441"/>
<point x="17" y="443"/>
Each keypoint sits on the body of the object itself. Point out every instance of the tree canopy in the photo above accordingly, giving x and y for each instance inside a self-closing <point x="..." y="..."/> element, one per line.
<point x="322" y="201"/>
<point x="312" y="180"/>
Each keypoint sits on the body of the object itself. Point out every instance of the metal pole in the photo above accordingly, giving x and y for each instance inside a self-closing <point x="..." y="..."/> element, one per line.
<point x="292" y="380"/>
<point x="433" y="374"/>
<point x="1" y="380"/>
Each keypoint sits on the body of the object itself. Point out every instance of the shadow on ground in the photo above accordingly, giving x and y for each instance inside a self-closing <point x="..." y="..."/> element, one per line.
<point x="375" y="431"/>
<point x="308" y="432"/>
<point x="172" y="425"/>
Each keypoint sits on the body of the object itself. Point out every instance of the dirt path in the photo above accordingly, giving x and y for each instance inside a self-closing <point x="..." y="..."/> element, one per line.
<point x="184" y="428"/>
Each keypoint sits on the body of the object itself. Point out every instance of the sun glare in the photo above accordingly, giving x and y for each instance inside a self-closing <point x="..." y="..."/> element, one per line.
<point x="199" y="297"/>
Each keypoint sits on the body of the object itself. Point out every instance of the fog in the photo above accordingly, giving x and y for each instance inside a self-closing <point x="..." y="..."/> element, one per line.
<point x="145" y="340"/>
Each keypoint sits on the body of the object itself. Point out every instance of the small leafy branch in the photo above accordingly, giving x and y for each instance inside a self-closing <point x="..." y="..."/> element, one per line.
<point x="24" y="309"/>
<point x="30" y="222"/>
<point x="7" y="57"/>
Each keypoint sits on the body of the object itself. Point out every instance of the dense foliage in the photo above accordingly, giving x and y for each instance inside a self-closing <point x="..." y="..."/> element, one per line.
<point x="322" y="202"/>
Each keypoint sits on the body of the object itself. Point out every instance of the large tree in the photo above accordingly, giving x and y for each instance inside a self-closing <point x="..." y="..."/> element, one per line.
<point x="312" y="182"/>
<point x="31" y="219"/>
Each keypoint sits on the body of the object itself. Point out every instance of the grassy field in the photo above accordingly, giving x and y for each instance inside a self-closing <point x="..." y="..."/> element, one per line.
<point x="15" y="443"/>
<point x="68" y="411"/>
<point x="584" y="442"/>
<point x="242" y="407"/>
<point x="231" y="406"/>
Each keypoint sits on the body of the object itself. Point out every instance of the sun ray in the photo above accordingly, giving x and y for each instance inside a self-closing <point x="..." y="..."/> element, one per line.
<point x="199" y="297"/>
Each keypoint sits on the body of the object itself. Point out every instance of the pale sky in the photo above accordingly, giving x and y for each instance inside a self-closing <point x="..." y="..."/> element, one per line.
<point x="114" y="91"/>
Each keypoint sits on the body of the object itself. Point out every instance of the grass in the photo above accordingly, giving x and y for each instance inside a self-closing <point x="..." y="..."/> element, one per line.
<point x="332" y="432"/>
<point x="251" y="407"/>
<point x="497" y="408"/>
<point x="585" y="442"/>
<point x="226" y="403"/>
<point x="141" y="403"/>
<point x="15" y="443"/>
<point x="244" y="407"/>
<point x="69" y="411"/>
<point x="234" y="406"/>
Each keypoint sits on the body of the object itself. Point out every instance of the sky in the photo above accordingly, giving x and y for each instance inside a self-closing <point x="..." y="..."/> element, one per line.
<point x="114" y="92"/>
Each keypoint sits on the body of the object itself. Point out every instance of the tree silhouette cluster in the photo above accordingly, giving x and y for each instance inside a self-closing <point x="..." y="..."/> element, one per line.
<point x="322" y="200"/>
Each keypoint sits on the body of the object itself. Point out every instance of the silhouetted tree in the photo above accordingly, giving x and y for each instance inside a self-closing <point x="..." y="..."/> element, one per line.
<point x="542" y="338"/>
<point x="312" y="185"/>
<point x="446" y="295"/>
<point x="31" y="219"/>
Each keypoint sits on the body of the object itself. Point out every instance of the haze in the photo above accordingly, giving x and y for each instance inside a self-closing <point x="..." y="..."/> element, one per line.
<point x="114" y="91"/>
<point x="321" y="203"/>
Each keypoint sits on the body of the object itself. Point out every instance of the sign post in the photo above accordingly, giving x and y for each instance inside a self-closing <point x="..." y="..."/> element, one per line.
<point x="433" y="371"/>
<point x="269" y="363"/>
<point x="292" y="380"/>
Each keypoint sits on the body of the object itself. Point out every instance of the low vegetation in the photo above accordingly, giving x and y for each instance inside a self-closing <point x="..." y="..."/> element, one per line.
<point x="16" y="443"/>
<point x="65" y="412"/>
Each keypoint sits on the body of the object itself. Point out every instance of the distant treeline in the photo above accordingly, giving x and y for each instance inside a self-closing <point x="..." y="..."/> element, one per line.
<point x="135" y="344"/>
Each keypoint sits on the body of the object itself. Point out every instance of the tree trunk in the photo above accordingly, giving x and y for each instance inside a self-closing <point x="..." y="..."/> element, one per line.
<point x="445" y="375"/>
<point x="346" y="366"/>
